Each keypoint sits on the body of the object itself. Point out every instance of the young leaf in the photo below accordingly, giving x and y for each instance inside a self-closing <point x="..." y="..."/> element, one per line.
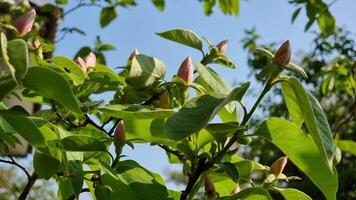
<point x="145" y="71"/>
<point x="197" y="112"/>
<point x="326" y="23"/>
<point x="183" y="36"/>
<point x="302" y="151"/>
<point x="107" y="15"/>
<point x="303" y="107"/>
<point x="212" y="79"/>
<point x="347" y="146"/>
<point x="51" y="85"/>
<point x="18" y="57"/>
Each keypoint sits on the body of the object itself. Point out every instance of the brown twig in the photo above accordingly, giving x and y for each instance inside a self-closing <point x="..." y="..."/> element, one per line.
<point x="28" y="186"/>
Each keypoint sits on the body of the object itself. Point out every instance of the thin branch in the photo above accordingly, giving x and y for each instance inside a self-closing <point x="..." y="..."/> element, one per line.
<point x="79" y="5"/>
<point x="13" y="162"/>
<point x="69" y="123"/>
<point x="108" y="121"/>
<point x="111" y="131"/>
<point x="88" y="120"/>
<point x="174" y="152"/>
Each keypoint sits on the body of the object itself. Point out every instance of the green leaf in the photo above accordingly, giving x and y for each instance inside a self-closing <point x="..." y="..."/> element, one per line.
<point x="45" y="166"/>
<point x="183" y="36"/>
<point x="296" y="70"/>
<point x="326" y="23"/>
<point x="145" y="71"/>
<point x="73" y="184"/>
<point x="18" y="57"/>
<point x="107" y="15"/>
<point x="197" y="112"/>
<point x="7" y="85"/>
<point x="103" y="192"/>
<point x="231" y="170"/>
<point x="159" y="4"/>
<point x="302" y="151"/>
<point x="295" y="14"/>
<point x="222" y="183"/>
<point x="303" y="107"/>
<point x="24" y="126"/>
<point x="70" y="68"/>
<point x="51" y="85"/>
<point x="208" y="6"/>
<point x="348" y="146"/>
<point x="229" y="6"/>
<point x="245" y="168"/>
<point x="79" y="143"/>
<point x="257" y="193"/>
<point x="133" y="182"/>
<point x="148" y="130"/>
<point x="291" y="194"/>
<point x="212" y="79"/>
<point x="135" y="112"/>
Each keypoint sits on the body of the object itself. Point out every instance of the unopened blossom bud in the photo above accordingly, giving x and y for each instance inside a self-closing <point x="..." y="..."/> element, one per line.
<point x="81" y="62"/>
<point x="185" y="71"/>
<point x="222" y="46"/>
<point x="209" y="186"/>
<point x="119" y="135"/>
<point x="36" y="44"/>
<point x="164" y="100"/>
<point x="278" y="166"/>
<point x="236" y="190"/>
<point x="24" y="23"/>
<point x="133" y="54"/>
<point x="90" y="60"/>
<point x="283" y="54"/>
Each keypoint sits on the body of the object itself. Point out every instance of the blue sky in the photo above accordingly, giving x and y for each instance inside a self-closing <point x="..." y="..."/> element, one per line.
<point x="135" y="28"/>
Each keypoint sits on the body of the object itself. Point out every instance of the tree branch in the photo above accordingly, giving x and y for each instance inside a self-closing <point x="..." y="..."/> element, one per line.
<point x="13" y="162"/>
<point x="28" y="186"/>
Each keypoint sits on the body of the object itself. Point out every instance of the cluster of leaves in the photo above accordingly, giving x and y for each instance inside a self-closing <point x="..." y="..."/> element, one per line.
<point x="330" y="67"/>
<point x="202" y="132"/>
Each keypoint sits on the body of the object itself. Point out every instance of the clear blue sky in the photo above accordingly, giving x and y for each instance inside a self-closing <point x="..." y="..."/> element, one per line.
<point x="135" y="28"/>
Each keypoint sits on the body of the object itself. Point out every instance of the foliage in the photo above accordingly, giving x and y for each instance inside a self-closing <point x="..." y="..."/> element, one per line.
<point x="200" y="130"/>
<point x="330" y="69"/>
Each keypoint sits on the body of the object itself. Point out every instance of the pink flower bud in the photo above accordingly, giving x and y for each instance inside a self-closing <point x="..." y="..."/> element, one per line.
<point x="119" y="135"/>
<point x="283" y="54"/>
<point x="185" y="71"/>
<point x="24" y="23"/>
<point x="81" y="63"/>
<point x="236" y="190"/>
<point x="36" y="44"/>
<point x="90" y="60"/>
<point x="222" y="46"/>
<point x="209" y="186"/>
<point x="133" y="54"/>
<point x="278" y="166"/>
